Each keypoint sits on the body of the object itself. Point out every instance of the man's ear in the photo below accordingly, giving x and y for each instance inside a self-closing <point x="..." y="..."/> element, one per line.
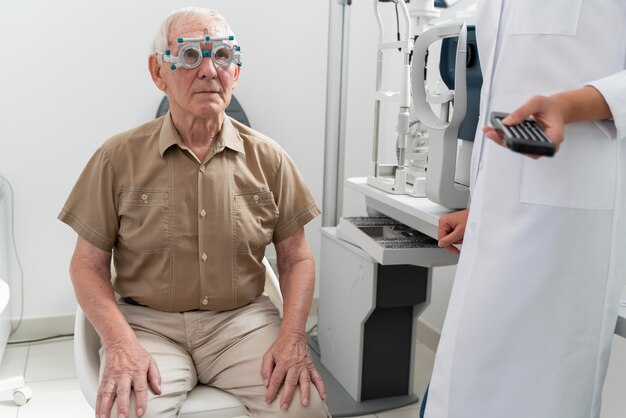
<point x="237" y="71"/>
<point x="156" y="72"/>
<point x="236" y="75"/>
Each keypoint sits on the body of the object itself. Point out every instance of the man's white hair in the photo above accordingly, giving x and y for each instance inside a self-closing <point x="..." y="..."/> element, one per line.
<point x="160" y="41"/>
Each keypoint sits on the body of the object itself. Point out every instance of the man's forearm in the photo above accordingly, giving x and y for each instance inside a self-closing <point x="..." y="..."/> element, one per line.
<point x="95" y="296"/>
<point x="297" y="286"/>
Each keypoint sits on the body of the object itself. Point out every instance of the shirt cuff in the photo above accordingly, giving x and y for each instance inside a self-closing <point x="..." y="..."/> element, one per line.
<point x="85" y="231"/>
<point x="305" y="217"/>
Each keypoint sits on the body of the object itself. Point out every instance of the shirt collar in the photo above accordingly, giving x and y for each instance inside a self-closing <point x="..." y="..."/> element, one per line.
<point x="228" y="136"/>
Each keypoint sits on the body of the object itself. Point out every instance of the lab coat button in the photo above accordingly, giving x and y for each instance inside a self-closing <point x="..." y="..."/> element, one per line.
<point x="481" y="165"/>
<point x="473" y="226"/>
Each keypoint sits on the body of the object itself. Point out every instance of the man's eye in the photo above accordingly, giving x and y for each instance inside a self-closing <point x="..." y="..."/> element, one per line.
<point x="222" y="55"/>
<point x="190" y="56"/>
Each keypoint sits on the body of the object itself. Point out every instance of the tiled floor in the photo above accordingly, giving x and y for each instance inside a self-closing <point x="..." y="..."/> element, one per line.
<point x="48" y="369"/>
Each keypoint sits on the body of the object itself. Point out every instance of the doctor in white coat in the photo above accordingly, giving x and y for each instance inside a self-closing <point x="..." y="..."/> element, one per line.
<point x="535" y="298"/>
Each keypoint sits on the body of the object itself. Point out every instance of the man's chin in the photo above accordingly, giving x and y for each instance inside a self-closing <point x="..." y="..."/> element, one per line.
<point x="210" y="109"/>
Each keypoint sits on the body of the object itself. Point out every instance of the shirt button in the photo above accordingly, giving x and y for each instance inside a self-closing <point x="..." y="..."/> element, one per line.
<point x="473" y="226"/>
<point x="481" y="165"/>
<point x="204" y="257"/>
<point x="144" y="197"/>
<point x="256" y="198"/>
<point x="205" y="301"/>
<point x="203" y="213"/>
<point x="202" y="168"/>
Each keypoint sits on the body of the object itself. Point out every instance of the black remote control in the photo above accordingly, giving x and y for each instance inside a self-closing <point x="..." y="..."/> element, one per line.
<point x="526" y="137"/>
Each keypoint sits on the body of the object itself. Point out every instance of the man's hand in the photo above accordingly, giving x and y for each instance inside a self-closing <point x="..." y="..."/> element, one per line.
<point x="128" y="366"/>
<point x="452" y="229"/>
<point x="288" y="361"/>
<point x="548" y="112"/>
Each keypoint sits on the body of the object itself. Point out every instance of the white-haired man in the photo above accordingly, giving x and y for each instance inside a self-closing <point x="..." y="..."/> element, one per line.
<point x="189" y="202"/>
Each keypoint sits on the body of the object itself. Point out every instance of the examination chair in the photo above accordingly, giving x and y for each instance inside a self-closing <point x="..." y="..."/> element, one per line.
<point x="203" y="401"/>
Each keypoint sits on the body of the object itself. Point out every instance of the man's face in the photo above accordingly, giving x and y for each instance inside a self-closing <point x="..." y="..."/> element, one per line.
<point x="203" y="91"/>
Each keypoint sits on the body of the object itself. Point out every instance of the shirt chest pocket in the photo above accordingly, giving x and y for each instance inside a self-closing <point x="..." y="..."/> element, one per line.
<point x="545" y="17"/>
<point x="144" y="220"/>
<point x="256" y="215"/>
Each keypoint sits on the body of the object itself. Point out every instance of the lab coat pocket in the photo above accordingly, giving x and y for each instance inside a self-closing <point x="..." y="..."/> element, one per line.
<point x="545" y="17"/>
<point x="581" y="175"/>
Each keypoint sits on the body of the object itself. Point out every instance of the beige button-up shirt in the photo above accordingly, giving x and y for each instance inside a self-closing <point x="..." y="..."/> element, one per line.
<point x="188" y="234"/>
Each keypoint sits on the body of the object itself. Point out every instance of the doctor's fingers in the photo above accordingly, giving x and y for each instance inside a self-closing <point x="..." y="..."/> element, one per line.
<point x="451" y="222"/>
<point x="494" y="135"/>
<point x="455" y="237"/>
<point x="535" y="105"/>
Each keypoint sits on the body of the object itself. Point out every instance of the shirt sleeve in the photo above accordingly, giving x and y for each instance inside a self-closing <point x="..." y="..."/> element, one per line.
<point x="91" y="208"/>
<point x="613" y="89"/>
<point x="296" y="206"/>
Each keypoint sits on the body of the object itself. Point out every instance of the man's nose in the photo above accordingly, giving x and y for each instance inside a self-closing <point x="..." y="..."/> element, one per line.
<point x="207" y="68"/>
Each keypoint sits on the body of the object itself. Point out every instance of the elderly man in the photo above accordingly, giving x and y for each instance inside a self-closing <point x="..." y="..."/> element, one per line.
<point x="189" y="202"/>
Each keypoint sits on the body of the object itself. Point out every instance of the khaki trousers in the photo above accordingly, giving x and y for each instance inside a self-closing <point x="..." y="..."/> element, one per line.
<point x="220" y="349"/>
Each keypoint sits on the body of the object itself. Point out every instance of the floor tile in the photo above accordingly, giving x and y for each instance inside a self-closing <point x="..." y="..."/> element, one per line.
<point x="56" y="398"/>
<point x="613" y="399"/>
<point x="14" y="361"/>
<point x="50" y="361"/>
<point x="424" y="359"/>
<point x="13" y="364"/>
<point x="411" y="411"/>
<point x="7" y="408"/>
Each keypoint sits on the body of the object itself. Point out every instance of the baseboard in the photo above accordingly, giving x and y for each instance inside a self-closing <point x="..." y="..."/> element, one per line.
<point x="41" y="327"/>
<point x="428" y="335"/>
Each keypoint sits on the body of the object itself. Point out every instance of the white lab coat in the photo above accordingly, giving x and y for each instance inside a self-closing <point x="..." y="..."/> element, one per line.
<point x="535" y="298"/>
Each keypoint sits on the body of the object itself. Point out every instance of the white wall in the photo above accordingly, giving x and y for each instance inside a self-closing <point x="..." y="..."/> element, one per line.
<point x="75" y="72"/>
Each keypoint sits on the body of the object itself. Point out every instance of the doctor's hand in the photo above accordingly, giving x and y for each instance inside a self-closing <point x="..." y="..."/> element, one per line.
<point x="452" y="229"/>
<point x="128" y="367"/>
<point x="549" y="112"/>
<point x="288" y="363"/>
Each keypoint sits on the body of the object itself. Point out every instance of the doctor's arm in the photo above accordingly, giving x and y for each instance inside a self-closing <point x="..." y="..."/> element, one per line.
<point x="553" y="112"/>
<point x="288" y="361"/>
<point x="128" y="365"/>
